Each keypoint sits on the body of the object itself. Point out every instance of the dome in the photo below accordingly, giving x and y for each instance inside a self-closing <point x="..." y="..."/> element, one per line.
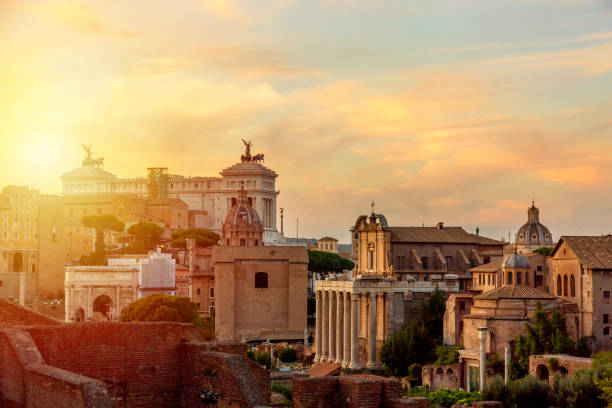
<point x="533" y="234"/>
<point x="242" y="226"/>
<point x="516" y="260"/>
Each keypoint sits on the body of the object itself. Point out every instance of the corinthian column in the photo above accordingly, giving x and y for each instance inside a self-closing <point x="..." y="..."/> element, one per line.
<point x="372" y="331"/>
<point x="354" y="364"/>
<point x="325" y="326"/>
<point x="332" y="326"/>
<point x="346" y="353"/>
<point x="318" y="324"/>
<point x="339" y="327"/>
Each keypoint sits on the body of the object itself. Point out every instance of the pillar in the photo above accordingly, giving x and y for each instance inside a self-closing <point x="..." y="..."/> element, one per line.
<point x="372" y="330"/>
<point x="325" y="326"/>
<point x="318" y="324"/>
<point x="22" y="288"/>
<point x="332" y="327"/>
<point x="354" y="364"/>
<point x="389" y="317"/>
<point x="89" y="305"/>
<point x="67" y="303"/>
<point x="346" y="353"/>
<point x="482" y="333"/>
<point x="339" y="327"/>
<point x="507" y="359"/>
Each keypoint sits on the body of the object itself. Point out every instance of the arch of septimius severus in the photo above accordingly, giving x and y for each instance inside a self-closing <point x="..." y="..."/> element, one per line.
<point x="356" y="314"/>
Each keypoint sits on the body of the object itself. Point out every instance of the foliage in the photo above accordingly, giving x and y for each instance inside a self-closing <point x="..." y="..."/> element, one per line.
<point x="158" y="307"/>
<point x="546" y="251"/>
<point x="433" y="314"/>
<point x="582" y="347"/>
<point x="100" y="223"/>
<point x="311" y="306"/>
<point x="287" y="355"/>
<point x="494" y="364"/>
<point x="524" y="392"/>
<point x="260" y="357"/>
<point x="543" y="336"/>
<point x="414" y="374"/>
<point x="320" y="261"/>
<point x="602" y="366"/>
<point x="553" y="364"/>
<point x="285" y="390"/>
<point x="411" y="344"/>
<point x="447" y="355"/>
<point x="147" y="236"/>
<point x="446" y="398"/>
<point x="203" y="238"/>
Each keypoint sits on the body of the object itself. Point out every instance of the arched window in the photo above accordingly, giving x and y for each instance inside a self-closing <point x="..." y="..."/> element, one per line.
<point x="519" y="278"/>
<point x="558" y="285"/>
<point x="479" y="279"/>
<point x="488" y="279"/>
<point x="34" y="269"/>
<point x="572" y="286"/>
<point x="261" y="280"/>
<point x="527" y="278"/>
<point x="565" y="285"/>
<point x="17" y="262"/>
<point x="242" y="242"/>
<point x="509" y="279"/>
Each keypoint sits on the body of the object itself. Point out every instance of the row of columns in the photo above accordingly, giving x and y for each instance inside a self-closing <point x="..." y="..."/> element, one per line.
<point x="337" y="328"/>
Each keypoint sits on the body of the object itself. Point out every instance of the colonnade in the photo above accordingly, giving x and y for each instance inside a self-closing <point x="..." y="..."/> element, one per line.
<point x="337" y="328"/>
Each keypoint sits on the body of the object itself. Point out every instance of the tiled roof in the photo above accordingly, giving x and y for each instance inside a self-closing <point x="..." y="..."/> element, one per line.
<point x="488" y="267"/>
<point x="436" y="235"/>
<point x="515" y="292"/>
<point x="328" y="239"/>
<point x="593" y="252"/>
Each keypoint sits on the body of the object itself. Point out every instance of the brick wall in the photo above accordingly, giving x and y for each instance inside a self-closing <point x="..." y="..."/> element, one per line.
<point x="442" y="376"/>
<point x="11" y="314"/>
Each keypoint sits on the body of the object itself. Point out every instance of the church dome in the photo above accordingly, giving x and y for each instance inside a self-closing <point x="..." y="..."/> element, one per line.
<point x="242" y="226"/>
<point x="516" y="260"/>
<point x="533" y="234"/>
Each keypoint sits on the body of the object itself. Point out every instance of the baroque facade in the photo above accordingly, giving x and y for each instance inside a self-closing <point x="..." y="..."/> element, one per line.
<point x="355" y="313"/>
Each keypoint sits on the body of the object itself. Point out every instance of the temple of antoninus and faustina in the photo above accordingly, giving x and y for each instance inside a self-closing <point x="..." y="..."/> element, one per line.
<point x="357" y="311"/>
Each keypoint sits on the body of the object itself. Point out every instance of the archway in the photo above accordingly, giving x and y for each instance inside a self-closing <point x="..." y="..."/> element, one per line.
<point x="79" y="315"/>
<point x="558" y="285"/>
<point x="563" y="370"/>
<point x="542" y="372"/>
<point x="17" y="262"/>
<point x="102" y="308"/>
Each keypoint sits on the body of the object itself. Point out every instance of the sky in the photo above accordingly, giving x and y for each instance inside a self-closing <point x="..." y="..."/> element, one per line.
<point x="446" y="110"/>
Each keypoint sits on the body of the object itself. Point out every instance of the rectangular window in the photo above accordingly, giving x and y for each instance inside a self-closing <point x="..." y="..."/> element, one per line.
<point x="449" y="261"/>
<point x="424" y="261"/>
<point x="15" y="235"/>
<point x="212" y="293"/>
<point x="5" y="235"/>
<point x="539" y="268"/>
<point x="606" y="297"/>
<point x="606" y="331"/>
<point x="198" y="291"/>
<point x="605" y="318"/>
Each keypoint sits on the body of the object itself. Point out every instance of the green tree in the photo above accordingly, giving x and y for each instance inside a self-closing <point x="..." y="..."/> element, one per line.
<point x="321" y="261"/>
<point x="101" y="223"/>
<point x="165" y="308"/>
<point x="410" y="345"/>
<point x="148" y="236"/>
<point x="203" y="237"/>
<point x="433" y="314"/>
<point x="546" y="251"/>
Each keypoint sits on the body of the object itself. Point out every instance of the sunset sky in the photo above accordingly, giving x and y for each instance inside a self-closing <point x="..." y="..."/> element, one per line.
<point x="455" y="111"/>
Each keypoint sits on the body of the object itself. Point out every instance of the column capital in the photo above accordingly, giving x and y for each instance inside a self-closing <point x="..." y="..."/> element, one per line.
<point x="372" y="295"/>
<point x="355" y="297"/>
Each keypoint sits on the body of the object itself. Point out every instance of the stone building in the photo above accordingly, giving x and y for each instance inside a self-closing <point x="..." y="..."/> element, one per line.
<point x="99" y="293"/>
<point x="532" y="235"/>
<point x="489" y="276"/>
<point x="260" y="291"/>
<point x="327" y="244"/>
<point x="210" y="197"/>
<point x="581" y="272"/>
<point x="426" y="252"/>
<point x="497" y="317"/>
<point x="356" y="313"/>
<point x="201" y="278"/>
<point x="156" y="271"/>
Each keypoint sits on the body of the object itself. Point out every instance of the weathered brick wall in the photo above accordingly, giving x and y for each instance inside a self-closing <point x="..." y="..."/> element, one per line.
<point x="227" y="377"/>
<point x="442" y="376"/>
<point x="139" y="362"/>
<point x="567" y="364"/>
<point x="346" y="391"/>
<point x="11" y="314"/>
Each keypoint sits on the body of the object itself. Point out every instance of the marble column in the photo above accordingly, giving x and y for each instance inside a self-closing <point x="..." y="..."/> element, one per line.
<point x="339" y="327"/>
<point x="354" y="364"/>
<point x="482" y="334"/>
<point x="325" y="326"/>
<point x="372" y="331"/>
<point x="507" y="360"/>
<point x="332" y="327"/>
<point x="346" y="353"/>
<point x="318" y="334"/>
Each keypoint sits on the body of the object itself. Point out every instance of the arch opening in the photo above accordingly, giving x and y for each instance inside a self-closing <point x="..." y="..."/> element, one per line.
<point x="542" y="372"/>
<point x="17" y="262"/>
<point x="102" y="308"/>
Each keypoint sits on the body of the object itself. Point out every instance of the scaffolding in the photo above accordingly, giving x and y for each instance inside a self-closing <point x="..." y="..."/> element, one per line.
<point x="157" y="182"/>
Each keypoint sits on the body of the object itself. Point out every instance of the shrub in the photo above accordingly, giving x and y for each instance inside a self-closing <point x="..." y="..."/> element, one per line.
<point x="447" y="398"/>
<point x="287" y="355"/>
<point x="447" y="355"/>
<point x="529" y="392"/>
<point x="411" y="344"/>
<point x="260" y="357"/>
<point x="283" y="389"/>
<point x="553" y="364"/>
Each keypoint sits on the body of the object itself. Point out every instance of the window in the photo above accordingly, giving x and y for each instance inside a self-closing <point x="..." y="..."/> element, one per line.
<point x="242" y="242"/>
<point x="606" y="297"/>
<point x="424" y="261"/>
<point x="479" y="279"/>
<point x="198" y="291"/>
<point x="558" y="285"/>
<point x="256" y="242"/>
<point x="370" y="259"/>
<point x="565" y="292"/>
<point x="519" y="278"/>
<point x="572" y="286"/>
<point x="509" y="278"/>
<point x="539" y="268"/>
<point x="261" y="280"/>
<point x="606" y="318"/>
<point x="527" y="278"/>
<point x="1" y="284"/>
<point x="486" y="259"/>
<point x="488" y="279"/>
<point x="606" y="331"/>
<point x="449" y="261"/>
<point x="211" y="293"/>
